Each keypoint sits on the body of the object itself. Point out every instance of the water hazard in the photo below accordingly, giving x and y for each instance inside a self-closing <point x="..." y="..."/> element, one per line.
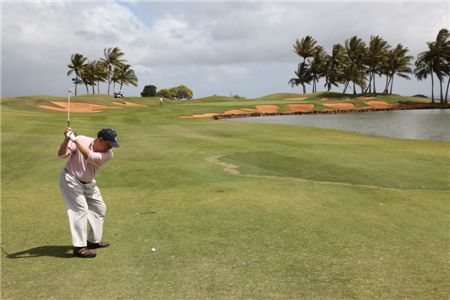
<point x="422" y="124"/>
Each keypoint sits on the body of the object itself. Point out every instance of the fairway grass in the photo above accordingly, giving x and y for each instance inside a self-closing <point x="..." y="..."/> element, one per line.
<point x="234" y="210"/>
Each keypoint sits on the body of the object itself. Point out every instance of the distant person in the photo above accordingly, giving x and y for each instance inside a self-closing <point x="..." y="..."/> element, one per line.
<point x="161" y="102"/>
<point x="82" y="197"/>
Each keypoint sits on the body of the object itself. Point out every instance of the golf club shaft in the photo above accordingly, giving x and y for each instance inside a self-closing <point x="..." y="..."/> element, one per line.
<point x="68" y="110"/>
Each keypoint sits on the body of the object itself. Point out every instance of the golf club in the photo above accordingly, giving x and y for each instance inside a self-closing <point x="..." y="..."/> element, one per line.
<point x="68" y="108"/>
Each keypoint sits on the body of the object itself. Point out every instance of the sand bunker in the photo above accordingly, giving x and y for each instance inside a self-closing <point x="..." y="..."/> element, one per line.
<point x="259" y="108"/>
<point x="300" y="107"/>
<point x="380" y="104"/>
<point x="129" y="104"/>
<point x="242" y="111"/>
<point x="340" y="105"/>
<point x="298" y="98"/>
<point x="76" y="107"/>
<point x="86" y="107"/>
<point x="206" y="115"/>
<point x="363" y="98"/>
<point x="267" y="108"/>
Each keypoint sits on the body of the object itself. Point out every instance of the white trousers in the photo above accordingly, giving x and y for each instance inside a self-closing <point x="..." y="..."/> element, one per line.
<point x="84" y="204"/>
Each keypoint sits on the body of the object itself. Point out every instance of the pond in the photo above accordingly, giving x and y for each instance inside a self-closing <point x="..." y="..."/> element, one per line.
<point x="421" y="124"/>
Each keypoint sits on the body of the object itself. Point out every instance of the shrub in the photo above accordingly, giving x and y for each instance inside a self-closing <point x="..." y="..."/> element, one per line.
<point x="181" y="92"/>
<point x="149" y="91"/>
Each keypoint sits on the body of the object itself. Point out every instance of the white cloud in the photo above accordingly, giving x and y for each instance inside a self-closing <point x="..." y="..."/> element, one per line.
<point x="233" y="47"/>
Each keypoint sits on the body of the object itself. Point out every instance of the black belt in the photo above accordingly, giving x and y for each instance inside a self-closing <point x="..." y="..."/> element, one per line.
<point x="83" y="182"/>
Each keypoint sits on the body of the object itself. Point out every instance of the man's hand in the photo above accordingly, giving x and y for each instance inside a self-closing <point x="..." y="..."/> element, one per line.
<point x="71" y="136"/>
<point x="67" y="131"/>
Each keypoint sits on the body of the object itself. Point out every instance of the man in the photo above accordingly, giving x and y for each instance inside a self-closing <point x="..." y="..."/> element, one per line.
<point x="82" y="197"/>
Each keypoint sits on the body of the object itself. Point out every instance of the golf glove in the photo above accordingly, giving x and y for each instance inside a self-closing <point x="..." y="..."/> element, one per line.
<point x="72" y="136"/>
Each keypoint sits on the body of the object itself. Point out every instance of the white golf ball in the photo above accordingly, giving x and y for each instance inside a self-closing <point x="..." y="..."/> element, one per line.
<point x="153" y="249"/>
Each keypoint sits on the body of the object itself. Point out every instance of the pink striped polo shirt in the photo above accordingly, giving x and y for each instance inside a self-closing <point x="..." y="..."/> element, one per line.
<point x="85" y="169"/>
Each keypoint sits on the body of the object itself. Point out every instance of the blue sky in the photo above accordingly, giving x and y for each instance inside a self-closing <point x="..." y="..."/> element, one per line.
<point x="223" y="48"/>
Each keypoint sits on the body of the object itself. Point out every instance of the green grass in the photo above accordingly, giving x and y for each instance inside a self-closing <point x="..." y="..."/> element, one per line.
<point x="312" y="214"/>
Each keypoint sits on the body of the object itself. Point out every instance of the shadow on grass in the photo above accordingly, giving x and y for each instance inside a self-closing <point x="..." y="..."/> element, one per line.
<point x="52" y="251"/>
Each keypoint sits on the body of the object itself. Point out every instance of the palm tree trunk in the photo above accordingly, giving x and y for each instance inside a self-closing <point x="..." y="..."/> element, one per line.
<point x="354" y="88"/>
<point x="121" y="85"/>
<point x="446" y="92"/>
<point x="76" y="83"/>
<point x="386" y="85"/>
<point x="374" y="88"/>
<point x="432" y="88"/>
<point x="93" y="89"/>
<point x="98" y="87"/>
<point x="392" y="84"/>
<point x="442" y="95"/>
<point x="345" y="87"/>
<point x="369" y="86"/>
<point x="87" y="89"/>
<point x="304" y="89"/>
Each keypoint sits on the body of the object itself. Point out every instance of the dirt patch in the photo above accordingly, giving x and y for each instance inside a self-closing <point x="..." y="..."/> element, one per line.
<point x="132" y="104"/>
<point x="205" y="115"/>
<point x="267" y="108"/>
<point x="236" y="112"/>
<point x="363" y="98"/>
<point x="229" y="168"/>
<point x="76" y="107"/>
<point x="380" y="104"/>
<point x="298" y="98"/>
<point x="340" y="105"/>
<point x="300" y="107"/>
<point x="327" y="99"/>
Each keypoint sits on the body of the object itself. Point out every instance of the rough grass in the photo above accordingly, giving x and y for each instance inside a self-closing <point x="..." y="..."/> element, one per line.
<point x="312" y="214"/>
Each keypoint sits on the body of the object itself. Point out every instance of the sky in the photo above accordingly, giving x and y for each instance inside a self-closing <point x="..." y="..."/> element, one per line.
<point x="226" y="48"/>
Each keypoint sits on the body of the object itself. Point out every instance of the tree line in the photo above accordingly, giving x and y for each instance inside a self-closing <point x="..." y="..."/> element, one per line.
<point x="357" y="64"/>
<point x="112" y="68"/>
<point x="180" y="92"/>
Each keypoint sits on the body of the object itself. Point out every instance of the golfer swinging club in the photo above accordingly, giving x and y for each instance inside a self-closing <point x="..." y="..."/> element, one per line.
<point x="82" y="197"/>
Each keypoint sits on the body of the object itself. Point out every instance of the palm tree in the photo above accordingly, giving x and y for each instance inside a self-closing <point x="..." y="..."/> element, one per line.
<point x="304" y="76"/>
<point x="77" y="62"/>
<point x="443" y="50"/>
<point x="334" y="66"/>
<point x="123" y="74"/>
<point x="100" y="72"/>
<point x="396" y="62"/>
<point x="376" y="51"/>
<point x="87" y="76"/>
<point x="317" y="65"/>
<point x="113" y="57"/>
<point x="355" y="50"/>
<point x="424" y="67"/>
<point x="304" y="48"/>
<point x="435" y="61"/>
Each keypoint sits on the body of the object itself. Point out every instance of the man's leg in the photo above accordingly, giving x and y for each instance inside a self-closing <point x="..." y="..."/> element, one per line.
<point x="77" y="208"/>
<point x="96" y="212"/>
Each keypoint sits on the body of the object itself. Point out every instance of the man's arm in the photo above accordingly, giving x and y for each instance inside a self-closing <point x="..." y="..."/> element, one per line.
<point x="73" y="137"/>
<point x="84" y="150"/>
<point x="62" y="152"/>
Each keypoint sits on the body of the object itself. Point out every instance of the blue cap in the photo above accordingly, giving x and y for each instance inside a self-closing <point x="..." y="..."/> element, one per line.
<point x="109" y="135"/>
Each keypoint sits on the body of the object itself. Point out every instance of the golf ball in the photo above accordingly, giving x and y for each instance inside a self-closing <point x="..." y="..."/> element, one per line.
<point x="153" y="249"/>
